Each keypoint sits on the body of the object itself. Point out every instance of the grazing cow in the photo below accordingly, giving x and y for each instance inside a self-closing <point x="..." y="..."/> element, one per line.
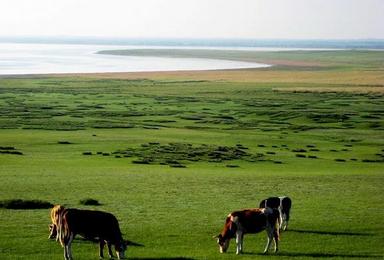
<point x="92" y="225"/>
<point x="249" y="221"/>
<point x="283" y="204"/>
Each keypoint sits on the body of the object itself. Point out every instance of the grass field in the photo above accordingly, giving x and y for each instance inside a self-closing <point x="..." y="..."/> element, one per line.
<point x="171" y="154"/>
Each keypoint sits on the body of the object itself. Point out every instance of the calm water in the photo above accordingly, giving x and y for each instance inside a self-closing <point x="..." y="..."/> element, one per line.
<point x="20" y="58"/>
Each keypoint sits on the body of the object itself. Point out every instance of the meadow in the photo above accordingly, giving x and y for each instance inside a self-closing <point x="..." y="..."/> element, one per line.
<point x="171" y="154"/>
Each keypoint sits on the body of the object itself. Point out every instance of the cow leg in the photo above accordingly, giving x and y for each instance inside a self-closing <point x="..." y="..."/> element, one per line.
<point x="285" y="223"/>
<point x="109" y="245"/>
<point x="70" y="246"/>
<point x="65" y="252"/>
<point x="276" y="239"/>
<point x="269" y="239"/>
<point x="101" y="248"/>
<point x="286" y="220"/>
<point x="239" y="242"/>
<point x="67" y="248"/>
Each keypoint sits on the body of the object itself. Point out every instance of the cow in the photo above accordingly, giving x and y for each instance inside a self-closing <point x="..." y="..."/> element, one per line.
<point x="92" y="225"/>
<point x="283" y="204"/>
<point x="249" y="221"/>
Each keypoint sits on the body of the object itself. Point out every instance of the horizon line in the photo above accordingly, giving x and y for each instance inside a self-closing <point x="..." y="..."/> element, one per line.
<point x="181" y="38"/>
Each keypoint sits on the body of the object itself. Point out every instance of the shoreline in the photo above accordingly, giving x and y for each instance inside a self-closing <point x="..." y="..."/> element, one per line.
<point x="164" y="60"/>
<point x="124" y="73"/>
<point x="56" y="59"/>
<point x="363" y="69"/>
<point x="269" y="62"/>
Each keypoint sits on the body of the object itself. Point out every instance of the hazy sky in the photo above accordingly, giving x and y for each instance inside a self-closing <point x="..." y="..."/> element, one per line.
<point x="295" y="19"/>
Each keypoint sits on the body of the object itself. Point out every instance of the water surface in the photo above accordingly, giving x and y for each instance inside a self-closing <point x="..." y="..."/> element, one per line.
<point x="24" y="58"/>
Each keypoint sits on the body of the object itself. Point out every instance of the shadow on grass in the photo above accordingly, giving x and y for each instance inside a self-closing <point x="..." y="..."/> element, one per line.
<point x="314" y="255"/>
<point x="25" y="204"/>
<point x="334" y="233"/>
<point x="161" y="258"/>
<point x="327" y="255"/>
<point x="94" y="240"/>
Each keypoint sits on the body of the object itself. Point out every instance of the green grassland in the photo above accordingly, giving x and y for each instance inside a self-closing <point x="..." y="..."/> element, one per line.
<point x="171" y="158"/>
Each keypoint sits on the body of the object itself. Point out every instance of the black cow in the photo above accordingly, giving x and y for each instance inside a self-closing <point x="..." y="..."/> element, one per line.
<point x="92" y="225"/>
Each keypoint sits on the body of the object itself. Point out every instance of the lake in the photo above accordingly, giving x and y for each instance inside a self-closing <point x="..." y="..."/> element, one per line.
<point x="26" y="58"/>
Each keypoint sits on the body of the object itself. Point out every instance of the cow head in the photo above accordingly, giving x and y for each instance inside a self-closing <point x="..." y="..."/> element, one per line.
<point x="52" y="231"/>
<point x="227" y="233"/>
<point x="120" y="248"/>
<point x="223" y="243"/>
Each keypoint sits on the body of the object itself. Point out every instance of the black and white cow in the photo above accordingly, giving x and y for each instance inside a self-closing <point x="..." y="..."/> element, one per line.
<point x="283" y="205"/>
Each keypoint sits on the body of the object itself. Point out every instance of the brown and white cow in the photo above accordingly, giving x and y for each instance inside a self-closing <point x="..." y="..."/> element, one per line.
<point x="283" y="205"/>
<point x="92" y="225"/>
<point x="249" y="221"/>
